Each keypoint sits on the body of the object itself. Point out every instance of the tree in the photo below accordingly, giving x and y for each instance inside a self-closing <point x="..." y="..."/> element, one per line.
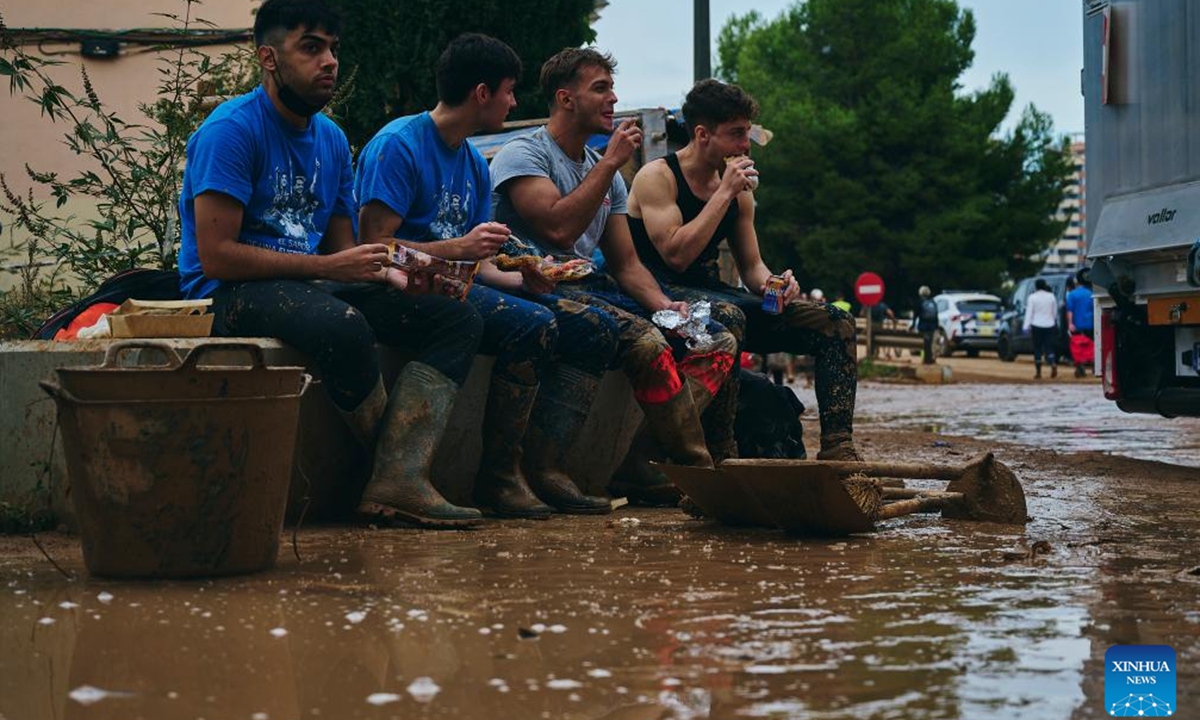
<point x="392" y="48"/>
<point x="880" y="161"/>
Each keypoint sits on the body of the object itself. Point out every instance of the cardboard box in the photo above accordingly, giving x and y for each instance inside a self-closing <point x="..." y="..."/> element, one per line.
<point x="162" y="318"/>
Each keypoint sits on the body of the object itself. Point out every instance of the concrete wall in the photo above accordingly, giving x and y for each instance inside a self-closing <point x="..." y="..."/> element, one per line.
<point x="329" y="466"/>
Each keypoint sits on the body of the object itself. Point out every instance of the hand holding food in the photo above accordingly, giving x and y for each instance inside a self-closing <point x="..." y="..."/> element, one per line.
<point x="740" y="173"/>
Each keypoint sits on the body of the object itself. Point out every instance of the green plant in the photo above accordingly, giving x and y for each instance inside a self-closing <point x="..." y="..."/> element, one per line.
<point x="131" y="176"/>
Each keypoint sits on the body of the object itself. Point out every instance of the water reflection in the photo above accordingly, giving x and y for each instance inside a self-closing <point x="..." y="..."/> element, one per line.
<point x="1067" y="417"/>
<point x="585" y="618"/>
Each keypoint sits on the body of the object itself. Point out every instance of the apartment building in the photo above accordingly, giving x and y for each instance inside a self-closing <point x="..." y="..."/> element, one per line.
<point x="1069" y="251"/>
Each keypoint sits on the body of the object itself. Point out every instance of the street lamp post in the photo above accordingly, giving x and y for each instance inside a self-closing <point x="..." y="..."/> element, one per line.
<point x="702" y="42"/>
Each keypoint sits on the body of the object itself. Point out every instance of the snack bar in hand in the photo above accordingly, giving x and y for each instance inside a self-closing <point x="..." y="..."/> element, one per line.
<point x="452" y="278"/>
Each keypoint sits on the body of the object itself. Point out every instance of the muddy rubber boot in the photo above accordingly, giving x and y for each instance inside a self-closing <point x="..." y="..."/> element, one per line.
<point x="670" y="431"/>
<point x="558" y="416"/>
<point x="364" y="420"/>
<point x="1037" y="371"/>
<point x="1054" y="371"/>
<point x="400" y="489"/>
<point x="838" y="446"/>
<point x="500" y="485"/>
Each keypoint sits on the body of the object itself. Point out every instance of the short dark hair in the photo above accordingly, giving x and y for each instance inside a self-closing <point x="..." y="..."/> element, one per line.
<point x="562" y="69"/>
<point x="287" y="15"/>
<point x="712" y="102"/>
<point x="1041" y="284"/>
<point x="470" y="59"/>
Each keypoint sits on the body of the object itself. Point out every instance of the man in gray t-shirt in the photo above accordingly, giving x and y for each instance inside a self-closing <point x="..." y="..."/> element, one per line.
<point x="558" y="194"/>
<point x="537" y="155"/>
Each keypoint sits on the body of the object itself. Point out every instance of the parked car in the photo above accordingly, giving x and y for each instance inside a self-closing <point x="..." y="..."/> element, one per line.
<point x="1014" y="339"/>
<point x="966" y="321"/>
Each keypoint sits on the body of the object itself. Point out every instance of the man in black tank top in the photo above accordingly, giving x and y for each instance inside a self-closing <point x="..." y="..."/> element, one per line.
<point x="680" y="210"/>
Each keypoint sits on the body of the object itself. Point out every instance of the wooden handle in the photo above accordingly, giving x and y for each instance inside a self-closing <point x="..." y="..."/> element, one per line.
<point x="895" y="493"/>
<point x="918" y="504"/>
<point x="874" y="469"/>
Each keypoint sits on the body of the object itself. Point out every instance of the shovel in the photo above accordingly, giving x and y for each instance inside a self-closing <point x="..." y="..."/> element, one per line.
<point x="984" y="489"/>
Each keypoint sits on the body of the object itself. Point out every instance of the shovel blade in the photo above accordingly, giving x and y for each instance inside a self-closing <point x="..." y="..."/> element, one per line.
<point x="804" y="499"/>
<point x="719" y="496"/>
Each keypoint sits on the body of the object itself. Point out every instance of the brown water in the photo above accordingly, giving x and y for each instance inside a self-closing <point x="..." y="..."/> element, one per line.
<point x="668" y="618"/>
<point x="654" y="616"/>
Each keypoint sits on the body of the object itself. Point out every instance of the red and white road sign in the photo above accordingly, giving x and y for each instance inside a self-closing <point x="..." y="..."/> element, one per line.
<point x="868" y="288"/>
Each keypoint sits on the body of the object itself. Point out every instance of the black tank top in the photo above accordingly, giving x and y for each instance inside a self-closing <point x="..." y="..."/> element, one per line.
<point x="704" y="270"/>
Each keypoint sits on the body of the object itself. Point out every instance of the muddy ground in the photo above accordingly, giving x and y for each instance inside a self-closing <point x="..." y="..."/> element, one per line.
<point x="649" y="614"/>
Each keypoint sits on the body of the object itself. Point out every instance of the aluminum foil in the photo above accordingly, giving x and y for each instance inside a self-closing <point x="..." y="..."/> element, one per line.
<point x="693" y="328"/>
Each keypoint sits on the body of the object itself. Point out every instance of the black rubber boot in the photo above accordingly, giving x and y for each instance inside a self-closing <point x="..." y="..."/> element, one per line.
<point x="561" y="409"/>
<point x="500" y="485"/>
<point x="400" y="489"/>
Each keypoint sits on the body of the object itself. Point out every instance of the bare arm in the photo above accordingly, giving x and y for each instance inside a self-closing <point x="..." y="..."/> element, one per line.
<point x="558" y="219"/>
<point x="222" y="257"/>
<point x="748" y="257"/>
<point x="378" y="223"/>
<point x="627" y="269"/>
<point x="653" y="198"/>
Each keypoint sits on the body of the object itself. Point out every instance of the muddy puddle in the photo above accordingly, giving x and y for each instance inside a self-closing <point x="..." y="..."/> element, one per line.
<point x="652" y="617"/>
<point x="1065" y="417"/>
<point x="642" y="615"/>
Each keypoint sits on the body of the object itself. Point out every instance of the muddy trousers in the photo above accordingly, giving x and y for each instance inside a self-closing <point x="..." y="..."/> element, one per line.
<point x="651" y="362"/>
<point x="803" y="328"/>
<point x="526" y="335"/>
<point x="672" y="428"/>
<point x="338" y="324"/>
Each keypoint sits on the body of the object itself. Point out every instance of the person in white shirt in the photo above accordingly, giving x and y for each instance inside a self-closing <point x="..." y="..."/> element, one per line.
<point x="1041" y="319"/>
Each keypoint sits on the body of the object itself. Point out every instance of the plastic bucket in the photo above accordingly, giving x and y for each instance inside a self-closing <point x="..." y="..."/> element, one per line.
<point x="179" y="470"/>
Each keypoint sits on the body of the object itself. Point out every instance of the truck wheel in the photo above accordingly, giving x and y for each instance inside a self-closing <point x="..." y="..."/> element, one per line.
<point x="1004" y="349"/>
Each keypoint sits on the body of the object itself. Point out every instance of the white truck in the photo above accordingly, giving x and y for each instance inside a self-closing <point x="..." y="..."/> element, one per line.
<point x="1141" y="86"/>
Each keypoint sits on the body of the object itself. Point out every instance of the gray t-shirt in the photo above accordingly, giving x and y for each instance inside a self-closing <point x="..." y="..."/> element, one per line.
<point x="537" y="155"/>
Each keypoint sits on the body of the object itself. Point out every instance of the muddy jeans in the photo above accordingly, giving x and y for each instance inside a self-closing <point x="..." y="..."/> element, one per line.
<point x="646" y="356"/>
<point x="803" y="328"/>
<point x="528" y="332"/>
<point x="337" y="326"/>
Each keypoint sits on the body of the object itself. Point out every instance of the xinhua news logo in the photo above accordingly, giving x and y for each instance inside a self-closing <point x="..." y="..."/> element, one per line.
<point x="1139" y="681"/>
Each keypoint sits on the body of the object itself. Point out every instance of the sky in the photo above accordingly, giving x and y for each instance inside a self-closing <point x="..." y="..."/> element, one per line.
<point x="1038" y="43"/>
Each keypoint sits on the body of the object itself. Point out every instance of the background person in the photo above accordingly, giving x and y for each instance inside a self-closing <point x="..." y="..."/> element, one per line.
<point x="927" y="322"/>
<point x="1080" y="322"/>
<point x="1041" y="320"/>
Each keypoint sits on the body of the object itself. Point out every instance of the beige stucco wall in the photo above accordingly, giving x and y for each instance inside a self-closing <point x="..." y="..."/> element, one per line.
<point x="121" y="82"/>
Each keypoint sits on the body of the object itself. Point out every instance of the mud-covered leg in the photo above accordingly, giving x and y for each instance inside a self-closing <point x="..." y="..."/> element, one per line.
<point x="522" y="335"/>
<point x="828" y="334"/>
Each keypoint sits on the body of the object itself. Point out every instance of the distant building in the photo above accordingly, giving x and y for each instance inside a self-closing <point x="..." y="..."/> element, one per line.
<point x="1069" y="252"/>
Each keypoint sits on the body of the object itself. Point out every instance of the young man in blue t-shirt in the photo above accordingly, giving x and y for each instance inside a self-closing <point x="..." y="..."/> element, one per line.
<point x="266" y="233"/>
<point x="419" y="181"/>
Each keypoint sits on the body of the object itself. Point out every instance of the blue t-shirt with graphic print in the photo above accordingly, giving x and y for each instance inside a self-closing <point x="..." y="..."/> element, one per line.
<point x="441" y="192"/>
<point x="290" y="182"/>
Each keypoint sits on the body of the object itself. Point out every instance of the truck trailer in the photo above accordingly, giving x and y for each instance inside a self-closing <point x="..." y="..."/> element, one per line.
<point x="1141" y="88"/>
